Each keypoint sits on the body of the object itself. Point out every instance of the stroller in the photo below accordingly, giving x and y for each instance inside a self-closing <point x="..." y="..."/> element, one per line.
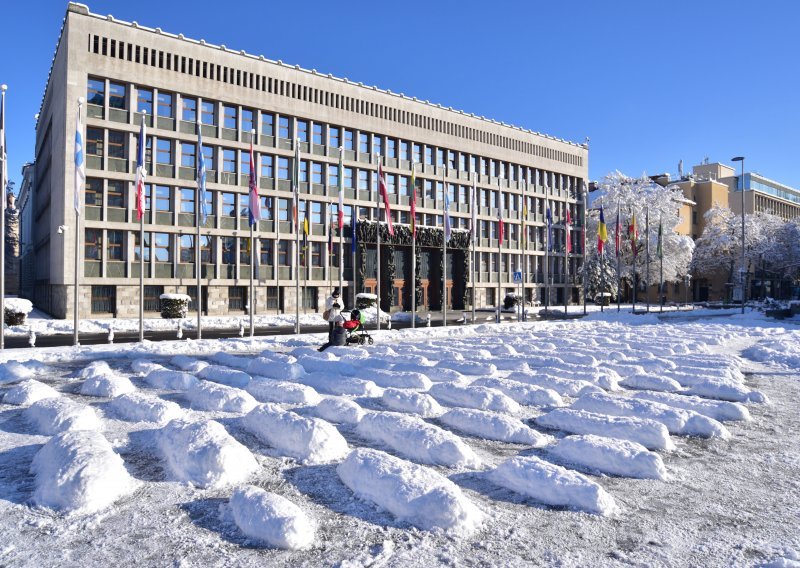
<point x="356" y="332"/>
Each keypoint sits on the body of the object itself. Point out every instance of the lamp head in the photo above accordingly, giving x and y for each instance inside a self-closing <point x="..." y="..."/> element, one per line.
<point x="738" y="159"/>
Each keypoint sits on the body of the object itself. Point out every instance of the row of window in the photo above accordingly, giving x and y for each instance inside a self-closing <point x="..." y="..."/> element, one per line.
<point x="166" y="60"/>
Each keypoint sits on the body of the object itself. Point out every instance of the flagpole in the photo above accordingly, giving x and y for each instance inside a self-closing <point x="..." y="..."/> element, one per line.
<point x="661" y="258"/>
<point x="444" y="246"/>
<point x="413" y="249"/>
<point x="378" y="249"/>
<point x="547" y="253"/>
<point x="618" y="244"/>
<point x="198" y="255"/>
<point x="524" y="240"/>
<point x="341" y="225"/>
<point x="583" y="250"/>
<point x="633" y="248"/>
<point x="75" y="305"/>
<point x="499" y="252"/>
<point x="474" y="216"/>
<point x="567" y="237"/>
<point x="143" y="143"/>
<point x="647" y="255"/>
<point x="4" y="183"/>
<point x="252" y="270"/>
<point x="297" y="235"/>
<point x="354" y="226"/>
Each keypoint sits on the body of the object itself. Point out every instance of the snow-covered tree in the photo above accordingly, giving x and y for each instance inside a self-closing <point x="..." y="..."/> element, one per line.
<point x="601" y="275"/>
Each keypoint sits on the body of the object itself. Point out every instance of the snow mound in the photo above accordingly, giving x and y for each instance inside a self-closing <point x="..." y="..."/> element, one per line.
<point x="339" y="411"/>
<point x="402" y="400"/>
<point x="272" y="369"/>
<point x="212" y="396"/>
<point x="611" y="456"/>
<point x="482" y="398"/>
<point x="272" y="519"/>
<point x="493" y="426"/>
<point x="474" y="368"/>
<point x="719" y="388"/>
<point x="400" y="379"/>
<point x="781" y="351"/>
<point x="651" y="382"/>
<point x="96" y="369"/>
<point x="144" y="366"/>
<point x="410" y="492"/>
<point x="309" y="440"/>
<point x="435" y="374"/>
<point x="166" y="379"/>
<point x="336" y="385"/>
<point x="417" y="440"/>
<point x="329" y="367"/>
<point x="29" y="391"/>
<point x="229" y="360"/>
<point x="677" y="420"/>
<point x="717" y="409"/>
<point x="54" y="415"/>
<point x="270" y="390"/>
<point x="649" y="433"/>
<point x="552" y="485"/>
<point x="224" y="376"/>
<point x="188" y="364"/>
<point x="18" y="305"/>
<point x="204" y="454"/>
<point x="79" y="472"/>
<point x="13" y="372"/>
<point x="138" y="407"/>
<point x="528" y="395"/>
<point x="546" y="380"/>
<point x="107" y="386"/>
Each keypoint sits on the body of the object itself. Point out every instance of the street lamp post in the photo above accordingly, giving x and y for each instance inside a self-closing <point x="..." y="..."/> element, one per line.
<point x="686" y="279"/>
<point x="741" y="159"/>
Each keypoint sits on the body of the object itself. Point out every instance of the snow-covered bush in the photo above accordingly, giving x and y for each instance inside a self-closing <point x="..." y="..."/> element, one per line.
<point x="174" y="305"/>
<point x="16" y="311"/>
<point x="510" y="301"/>
<point x="365" y="301"/>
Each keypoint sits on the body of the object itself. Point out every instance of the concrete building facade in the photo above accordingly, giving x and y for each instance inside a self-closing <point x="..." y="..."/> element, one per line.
<point x="128" y="73"/>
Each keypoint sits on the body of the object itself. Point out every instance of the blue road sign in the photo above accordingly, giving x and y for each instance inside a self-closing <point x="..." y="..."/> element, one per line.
<point x="518" y="276"/>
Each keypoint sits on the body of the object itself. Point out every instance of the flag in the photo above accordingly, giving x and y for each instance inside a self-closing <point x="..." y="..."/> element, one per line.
<point x="660" y="246"/>
<point x="413" y="204"/>
<point x="633" y="233"/>
<point x="296" y="183"/>
<point x="473" y="208"/>
<point x="201" y="178"/>
<point x="385" y="194"/>
<point x="255" y="202"/>
<point x="305" y="235"/>
<point x="330" y="239"/>
<point x="448" y="230"/>
<point x="618" y="233"/>
<point x="80" y="166"/>
<point x="602" y="231"/>
<point x="549" y="229"/>
<point x="568" y="229"/>
<point x="141" y="174"/>
<point x="500" y="228"/>
<point x="354" y="239"/>
<point x="341" y="188"/>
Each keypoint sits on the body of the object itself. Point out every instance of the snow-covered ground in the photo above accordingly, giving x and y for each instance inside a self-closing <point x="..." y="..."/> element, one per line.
<point x="613" y="440"/>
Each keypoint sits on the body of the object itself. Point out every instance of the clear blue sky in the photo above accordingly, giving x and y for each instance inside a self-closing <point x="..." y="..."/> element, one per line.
<point x="649" y="82"/>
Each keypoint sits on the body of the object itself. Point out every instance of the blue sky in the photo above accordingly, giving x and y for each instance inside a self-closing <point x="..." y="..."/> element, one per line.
<point x="649" y="82"/>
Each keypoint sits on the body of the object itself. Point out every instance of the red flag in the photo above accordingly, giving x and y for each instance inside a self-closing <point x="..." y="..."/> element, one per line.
<point x="385" y="195"/>
<point x="500" y="228"/>
<point x="330" y="239"/>
<point x="569" y="231"/>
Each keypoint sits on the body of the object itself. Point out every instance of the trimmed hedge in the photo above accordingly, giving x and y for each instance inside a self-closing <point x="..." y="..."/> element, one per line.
<point x="174" y="306"/>
<point x="14" y="318"/>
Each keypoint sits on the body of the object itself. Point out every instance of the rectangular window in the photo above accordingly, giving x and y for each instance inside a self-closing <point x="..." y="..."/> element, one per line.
<point x="302" y="130"/>
<point x="189" y="112"/>
<point x="333" y="175"/>
<point x="404" y="185"/>
<point x="116" y="95"/>
<point x="152" y="298"/>
<point x="267" y="124"/>
<point x="229" y="117"/>
<point x="283" y="168"/>
<point x="247" y="120"/>
<point x="165" y="104"/>
<point x="244" y="251"/>
<point x="284" y="128"/>
<point x="144" y="101"/>
<point x="377" y="145"/>
<point x="266" y="207"/>
<point x="161" y="248"/>
<point x="228" y="250"/>
<point x="228" y="204"/>
<point x="439" y="157"/>
<point x="116" y="144"/>
<point x="96" y="92"/>
<point x="284" y="258"/>
<point x="283" y="209"/>
<point x="187" y="200"/>
<point x="162" y="198"/>
<point x="417" y="156"/>
<point x="206" y="256"/>
<point x="163" y="151"/>
<point x="229" y="160"/>
<point x="348" y="140"/>
<point x="318" y="134"/>
<point x="363" y="143"/>
<point x="391" y="148"/>
<point x="209" y="154"/>
<point x="266" y="252"/>
<point x="188" y="152"/>
<point x="267" y="166"/>
<point x="363" y="179"/>
<point x="93" y="244"/>
<point x="316" y="172"/>
<point x="316" y="212"/>
<point x="237" y="297"/>
<point x="116" y="193"/>
<point x="348" y="178"/>
<point x="316" y="254"/>
<point x="429" y="155"/>
<point x="94" y="192"/>
<point x="303" y="170"/>
<point x="208" y="113"/>
<point x="114" y="245"/>
<point x="333" y="137"/>
<point x="403" y="150"/>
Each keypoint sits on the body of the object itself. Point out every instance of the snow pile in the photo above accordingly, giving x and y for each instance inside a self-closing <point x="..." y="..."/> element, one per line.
<point x="96" y="369"/>
<point x="611" y="456"/>
<point x="166" y="379"/>
<point x="182" y="297"/>
<point x="230" y="360"/>
<point x="270" y="390"/>
<point x="29" y="391"/>
<point x="651" y="382"/>
<point x="417" y="440"/>
<point x="79" y="472"/>
<point x="12" y="372"/>
<point x="552" y="485"/>
<point x="212" y="396"/>
<point x="550" y="380"/>
<point x="474" y="368"/>
<point x="482" y="398"/>
<point x="273" y="369"/>
<point x="309" y="440"/>
<point x="224" y="376"/>
<point x="717" y="409"/>
<point x="412" y="493"/>
<point x="783" y="350"/>
<point x="144" y="366"/>
<point x="188" y="364"/>
<point x="649" y="433"/>
<point x="54" y="415"/>
<point x="435" y="374"/>
<point x="403" y="400"/>
<point x="717" y="386"/>
<point x="204" y="454"/>
<point x="327" y="366"/>
<point x="107" y="386"/>
<point x="336" y="385"/>
<point x="493" y="426"/>
<point x="18" y="305"/>
<point x="400" y="379"/>
<point x="138" y="407"/>
<point x="528" y="395"/>
<point x="339" y="410"/>
<point x="272" y="519"/>
<point x="677" y="420"/>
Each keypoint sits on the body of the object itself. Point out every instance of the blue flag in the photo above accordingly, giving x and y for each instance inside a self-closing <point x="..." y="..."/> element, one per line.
<point x="201" y="178"/>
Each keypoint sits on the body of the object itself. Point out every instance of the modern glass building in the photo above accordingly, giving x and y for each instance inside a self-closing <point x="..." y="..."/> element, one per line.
<point x="128" y="73"/>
